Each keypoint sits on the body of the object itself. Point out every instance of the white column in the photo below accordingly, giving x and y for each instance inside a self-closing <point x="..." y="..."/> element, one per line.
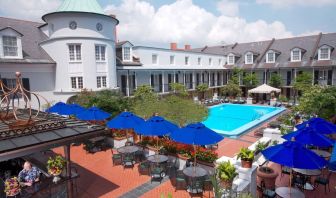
<point x="136" y="80"/>
<point x="313" y="76"/>
<point x="174" y="76"/>
<point x="193" y="80"/>
<point x="209" y="79"/>
<point x="163" y="81"/>
<point x="150" y="76"/>
<point x="127" y="83"/>
<point x="184" y="77"/>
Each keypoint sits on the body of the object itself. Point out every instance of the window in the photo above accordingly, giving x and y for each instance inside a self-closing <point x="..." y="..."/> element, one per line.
<point x="186" y="60"/>
<point x="77" y="82"/>
<point x="231" y="60"/>
<point x="10" y="47"/>
<point x="75" y="53"/>
<point x="101" y="82"/>
<point x="210" y="61"/>
<point x="11" y="83"/>
<point x="127" y="53"/>
<point x="172" y="60"/>
<point x="324" y="53"/>
<point x="154" y="59"/>
<point x="249" y="58"/>
<point x="296" y="55"/>
<point x="199" y="61"/>
<point x="270" y="58"/>
<point x="219" y="62"/>
<point x="100" y="52"/>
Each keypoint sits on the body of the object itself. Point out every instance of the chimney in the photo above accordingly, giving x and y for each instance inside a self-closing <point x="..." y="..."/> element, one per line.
<point x="173" y="46"/>
<point x="187" y="47"/>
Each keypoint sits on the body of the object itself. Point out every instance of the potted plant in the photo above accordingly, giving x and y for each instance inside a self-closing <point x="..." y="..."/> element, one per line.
<point x="260" y="146"/>
<point x="226" y="173"/>
<point x="55" y="166"/>
<point x="247" y="156"/>
<point x="12" y="187"/>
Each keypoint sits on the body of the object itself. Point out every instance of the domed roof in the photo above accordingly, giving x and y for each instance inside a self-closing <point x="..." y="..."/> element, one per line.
<point x="90" y="6"/>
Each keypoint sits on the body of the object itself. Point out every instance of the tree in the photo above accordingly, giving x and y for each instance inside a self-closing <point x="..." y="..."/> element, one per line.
<point x="275" y="80"/>
<point x="320" y="101"/>
<point x="145" y="101"/>
<point x="250" y="80"/>
<point x="179" y="89"/>
<point x="235" y="75"/>
<point x="202" y="88"/>
<point x="231" y="90"/>
<point x="303" y="81"/>
<point x="107" y="100"/>
<point x="181" y="111"/>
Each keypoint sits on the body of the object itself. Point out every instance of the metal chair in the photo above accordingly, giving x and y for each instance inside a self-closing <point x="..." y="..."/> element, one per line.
<point x="116" y="158"/>
<point x="157" y="173"/>
<point x="144" y="168"/>
<point x="268" y="193"/>
<point x="197" y="186"/>
<point x="207" y="186"/>
<point x="284" y="171"/>
<point x="323" y="181"/>
<point x="129" y="143"/>
<point x="180" y="180"/>
<point x="139" y="155"/>
<point x="128" y="161"/>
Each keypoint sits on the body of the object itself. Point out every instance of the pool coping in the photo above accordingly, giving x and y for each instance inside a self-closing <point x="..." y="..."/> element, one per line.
<point x="241" y="130"/>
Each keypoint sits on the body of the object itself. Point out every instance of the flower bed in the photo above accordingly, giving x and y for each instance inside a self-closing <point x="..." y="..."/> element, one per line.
<point x="184" y="150"/>
<point x="12" y="187"/>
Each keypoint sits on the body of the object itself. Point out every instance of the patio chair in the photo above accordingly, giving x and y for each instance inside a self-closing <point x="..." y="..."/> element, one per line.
<point x="171" y="165"/>
<point x="129" y="143"/>
<point x="180" y="181"/>
<point x="128" y="161"/>
<point x="226" y="100"/>
<point x="116" y="158"/>
<point x="299" y="181"/>
<point x="268" y="193"/>
<point x="323" y="181"/>
<point x="197" y="186"/>
<point x="144" y="168"/>
<point x="139" y="155"/>
<point x="157" y="173"/>
<point x="207" y="186"/>
<point x="284" y="171"/>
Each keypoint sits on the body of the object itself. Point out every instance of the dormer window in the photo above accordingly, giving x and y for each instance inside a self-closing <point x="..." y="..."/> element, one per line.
<point x="186" y="60"/>
<point x="249" y="58"/>
<point x="231" y="59"/>
<point x="10" y="46"/>
<point x="210" y="61"/>
<point x="155" y="59"/>
<point x="126" y="54"/>
<point x="219" y="62"/>
<point x="296" y="55"/>
<point x="324" y="53"/>
<point x="270" y="57"/>
<point x="199" y="61"/>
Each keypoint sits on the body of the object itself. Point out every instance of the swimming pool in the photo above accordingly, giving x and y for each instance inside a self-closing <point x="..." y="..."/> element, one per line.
<point x="234" y="119"/>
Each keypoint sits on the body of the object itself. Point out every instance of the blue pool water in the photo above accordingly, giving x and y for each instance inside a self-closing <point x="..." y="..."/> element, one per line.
<point x="234" y="119"/>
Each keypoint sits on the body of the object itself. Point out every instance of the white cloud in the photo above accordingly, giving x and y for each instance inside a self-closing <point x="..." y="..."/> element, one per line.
<point x="28" y="9"/>
<point x="228" y="7"/>
<point x="288" y="3"/>
<point x="184" y="22"/>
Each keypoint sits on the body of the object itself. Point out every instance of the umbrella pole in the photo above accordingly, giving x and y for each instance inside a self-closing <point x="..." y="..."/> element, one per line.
<point x="290" y="183"/>
<point x="194" y="158"/>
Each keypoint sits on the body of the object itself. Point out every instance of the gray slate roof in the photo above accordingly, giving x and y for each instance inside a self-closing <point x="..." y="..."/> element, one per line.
<point x="32" y="36"/>
<point x="283" y="48"/>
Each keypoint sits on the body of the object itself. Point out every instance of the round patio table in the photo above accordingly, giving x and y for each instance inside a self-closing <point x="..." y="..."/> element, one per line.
<point x="307" y="172"/>
<point x="287" y="192"/>
<point x="157" y="158"/>
<point x="127" y="149"/>
<point x="322" y="153"/>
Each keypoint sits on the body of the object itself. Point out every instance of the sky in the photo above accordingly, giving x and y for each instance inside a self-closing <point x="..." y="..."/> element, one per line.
<point x="199" y="22"/>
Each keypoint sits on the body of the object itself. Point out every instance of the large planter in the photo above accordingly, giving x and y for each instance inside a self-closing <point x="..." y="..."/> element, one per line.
<point x="246" y="163"/>
<point x="226" y="184"/>
<point x="268" y="176"/>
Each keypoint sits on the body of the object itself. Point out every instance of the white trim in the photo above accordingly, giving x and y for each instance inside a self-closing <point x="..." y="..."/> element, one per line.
<point x="319" y="52"/>
<point x="270" y="52"/>
<point x="233" y="59"/>
<point x="292" y="54"/>
<point x="246" y="60"/>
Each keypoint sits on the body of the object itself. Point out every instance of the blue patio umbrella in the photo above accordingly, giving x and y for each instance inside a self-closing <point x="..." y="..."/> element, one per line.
<point x="308" y="136"/>
<point x="58" y="108"/>
<point x="196" y="134"/>
<point x="125" y="120"/>
<point x="156" y="126"/>
<point x="318" y="124"/>
<point x="93" y="114"/>
<point x="294" y="155"/>
<point x="72" y="109"/>
<point x="332" y="162"/>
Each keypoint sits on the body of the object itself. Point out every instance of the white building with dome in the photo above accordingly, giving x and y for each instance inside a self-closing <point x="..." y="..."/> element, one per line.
<point x="76" y="48"/>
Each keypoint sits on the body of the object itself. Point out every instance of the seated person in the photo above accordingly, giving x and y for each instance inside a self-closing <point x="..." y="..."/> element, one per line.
<point x="29" y="175"/>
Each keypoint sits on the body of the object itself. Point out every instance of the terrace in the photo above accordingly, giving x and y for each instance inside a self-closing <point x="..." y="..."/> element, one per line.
<point x="90" y="153"/>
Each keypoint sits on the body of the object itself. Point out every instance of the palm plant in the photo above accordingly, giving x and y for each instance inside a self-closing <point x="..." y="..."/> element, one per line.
<point x="226" y="173"/>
